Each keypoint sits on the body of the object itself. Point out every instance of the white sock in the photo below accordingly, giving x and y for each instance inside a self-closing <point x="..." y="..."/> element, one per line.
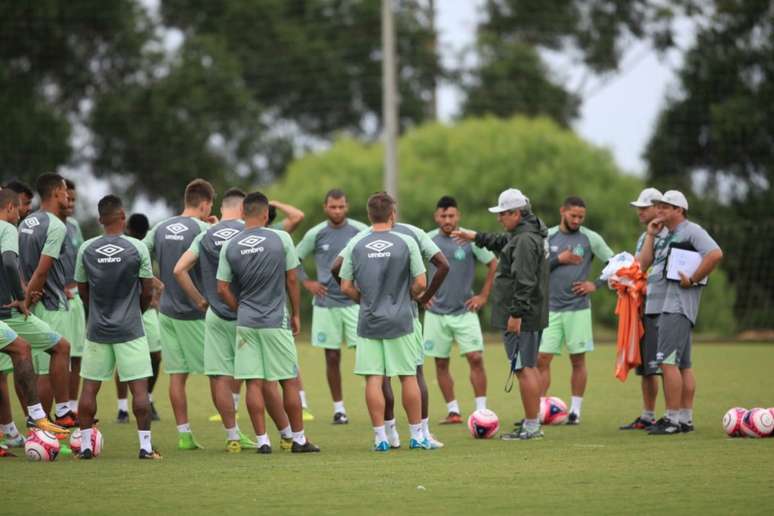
<point x="426" y="427"/>
<point x="480" y="402"/>
<point x="299" y="437"/>
<point x="85" y="439"/>
<point x="380" y="435"/>
<point x="648" y="415"/>
<point x="390" y="427"/>
<point x="263" y="439"/>
<point x="150" y="397"/>
<point x="10" y="429"/>
<point x="286" y="433"/>
<point x="73" y="406"/>
<point x="453" y="406"/>
<point x="302" y="395"/>
<point x="416" y="432"/>
<point x="184" y="428"/>
<point x="62" y="409"/>
<point x="235" y="397"/>
<point x="36" y="411"/>
<point x="686" y="416"/>
<point x="673" y="416"/>
<point x="338" y="406"/>
<point x="232" y="434"/>
<point x="145" y="440"/>
<point x="531" y="425"/>
<point x="123" y="405"/>
<point x="575" y="405"/>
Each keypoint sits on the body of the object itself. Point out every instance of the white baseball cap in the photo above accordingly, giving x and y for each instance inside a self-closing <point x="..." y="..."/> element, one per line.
<point x="646" y="198"/>
<point x="510" y="199"/>
<point x="675" y="198"/>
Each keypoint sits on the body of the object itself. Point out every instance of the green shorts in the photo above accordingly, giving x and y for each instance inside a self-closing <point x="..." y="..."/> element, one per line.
<point x="182" y="345"/>
<point x="131" y="358"/>
<point x="219" y="345"/>
<point x="331" y="327"/>
<point x="417" y="334"/>
<point x="265" y="354"/>
<point x="150" y="320"/>
<point x="41" y="362"/>
<point x="76" y="331"/>
<point x="388" y="357"/>
<point x="6" y="365"/>
<point x="40" y="336"/>
<point x="442" y="330"/>
<point x="571" y="329"/>
<point x="7" y="335"/>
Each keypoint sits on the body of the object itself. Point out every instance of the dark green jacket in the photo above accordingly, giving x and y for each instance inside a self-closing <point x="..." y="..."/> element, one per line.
<point x="521" y="284"/>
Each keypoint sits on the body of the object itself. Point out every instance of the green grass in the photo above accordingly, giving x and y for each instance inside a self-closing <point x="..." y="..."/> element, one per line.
<point x="589" y="469"/>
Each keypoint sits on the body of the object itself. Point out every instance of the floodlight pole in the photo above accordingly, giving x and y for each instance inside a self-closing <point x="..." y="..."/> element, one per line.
<point x="389" y="101"/>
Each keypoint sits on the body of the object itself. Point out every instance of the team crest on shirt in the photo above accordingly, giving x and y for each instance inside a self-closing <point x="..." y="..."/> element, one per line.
<point x="380" y="248"/>
<point x="252" y="244"/>
<point x="579" y="250"/>
<point x="30" y="223"/>
<point x="459" y="254"/>
<point x="224" y="235"/>
<point x="325" y="247"/>
<point x="109" y="252"/>
<point x="174" y="230"/>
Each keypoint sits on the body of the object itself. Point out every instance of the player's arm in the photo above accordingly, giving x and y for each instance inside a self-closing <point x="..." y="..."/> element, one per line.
<point x="350" y="290"/>
<point x="304" y="249"/>
<point x="228" y="297"/>
<point x="224" y="276"/>
<point x="441" y="265"/>
<point x="83" y="291"/>
<point x="711" y="256"/>
<point x="294" y="294"/>
<point x="345" y="274"/>
<point x="646" y="254"/>
<point x="293" y="216"/>
<point x="187" y="262"/>
<point x="418" y="287"/>
<point x="146" y="296"/>
<point x="11" y="269"/>
<point x="336" y="269"/>
<point x="475" y="303"/>
<point x="38" y="279"/>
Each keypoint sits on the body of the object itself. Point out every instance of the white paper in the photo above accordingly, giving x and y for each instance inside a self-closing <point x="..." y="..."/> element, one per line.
<point x="685" y="261"/>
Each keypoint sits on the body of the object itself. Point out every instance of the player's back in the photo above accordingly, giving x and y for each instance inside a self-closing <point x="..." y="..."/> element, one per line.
<point x="9" y="242"/>
<point x="210" y="244"/>
<point x="42" y="232"/>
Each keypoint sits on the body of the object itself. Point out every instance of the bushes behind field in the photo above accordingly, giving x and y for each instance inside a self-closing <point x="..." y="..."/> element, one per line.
<point x="473" y="161"/>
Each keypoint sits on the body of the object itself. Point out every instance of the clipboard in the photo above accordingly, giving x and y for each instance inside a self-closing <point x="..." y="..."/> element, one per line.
<point x="682" y="257"/>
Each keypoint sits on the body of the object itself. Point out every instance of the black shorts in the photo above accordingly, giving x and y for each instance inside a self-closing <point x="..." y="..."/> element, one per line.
<point x="649" y="347"/>
<point x="522" y="348"/>
<point x="674" y="340"/>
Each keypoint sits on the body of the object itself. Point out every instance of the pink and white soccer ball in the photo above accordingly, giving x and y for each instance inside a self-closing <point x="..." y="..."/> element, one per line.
<point x="732" y="421"/>
<point x="96" y="441"/>
<point x="758" y="422"/>
<point x="483" y="424"/>
<point x="553" y="411"/>
<point x="41" y="446"/>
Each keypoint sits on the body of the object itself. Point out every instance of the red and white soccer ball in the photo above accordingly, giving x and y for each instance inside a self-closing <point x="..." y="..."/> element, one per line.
<point x="732" y="421"/>
<point x="553" y="411"/>
<point x="41" y="446"/>
<point x="483" y="424"/>
<point x="758" y="422"/>
<point x="96" y="441"/>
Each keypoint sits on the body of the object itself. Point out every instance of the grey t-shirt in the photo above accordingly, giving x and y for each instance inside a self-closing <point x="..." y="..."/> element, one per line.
<point x="458" y="285"/>
<point x="112" y="265"/>
<point x="167" y="241"/>
<point x="427" y="248"/>
<point x="383" y="264"/>
<point x="43" y="233"/>
<point x="676" y="299"/>
<point x="9" y="243"/>
<point x="206" y="246"/>
<point x="326" y="242"/>
<point x="584" y="243"/>
<point x="656" y="283"/>
<point x="255" y="263"/>
<point x="73" y="242"/>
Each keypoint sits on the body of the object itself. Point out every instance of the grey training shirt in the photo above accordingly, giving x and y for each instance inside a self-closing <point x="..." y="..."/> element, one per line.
<point x="9" y="243"/>
<point x="43" y="233"/>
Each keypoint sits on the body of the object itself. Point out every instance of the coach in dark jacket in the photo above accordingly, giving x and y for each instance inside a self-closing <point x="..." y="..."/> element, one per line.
<point x="520" y="300"/>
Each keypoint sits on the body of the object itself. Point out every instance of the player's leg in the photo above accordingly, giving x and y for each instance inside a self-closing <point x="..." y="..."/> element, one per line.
<point x="467" y="332"/>
<point x="550" y="345"/>
<point x="305" y="412"/>
<point x="578" y="380"/>
<point x="97" y="366"/>
<point x="522" y="349"/>
<point x="437" y="342"/>
<point x="87" y="408"/>
<point x="389" y="399"/>
<point x="333" y="374"/>
<point x="256" y="408"/>
<point x="76" y="337"/>
<point x="134" y="367"/>
<point x="578" y="334"/>
<point x="649" y="373"/>
<point x="670" y="348"/>
<point x="446" y="384"/>
<point x="150" y="320"/>
<point x="122" y="393"/>
<point x="477" y="377"/>
<point x="272" y="398"/>
<point x="689" y="383"/>
<point x="328" y="335"/>
<point x="369" y="363"/>
<point x="400" y="358"/>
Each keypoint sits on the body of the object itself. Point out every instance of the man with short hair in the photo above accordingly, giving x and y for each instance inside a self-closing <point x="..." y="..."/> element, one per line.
<point x="182" y="323"/>
<point x="114" y="278"/>
<point x="678" y="302"/>
<point x="256" y="275"/>
<point x="520" y="304"/>
<point x="25" y="196"/>
<point x="334" y="317"/>
<point x="572" y="247"/>
<point x="451" y="314"/>
<point x="383" y="271"/>
<point x="648" y="370"/>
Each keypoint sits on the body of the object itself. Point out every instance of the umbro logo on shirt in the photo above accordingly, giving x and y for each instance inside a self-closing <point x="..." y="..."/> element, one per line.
<point x="30" y="223"/>
<point x="174" y="231"/>
<point x="109" y="251"/>
<point x="251" y="243"/>
<point x="379" y="246"/>
<point x="224" y="235"/>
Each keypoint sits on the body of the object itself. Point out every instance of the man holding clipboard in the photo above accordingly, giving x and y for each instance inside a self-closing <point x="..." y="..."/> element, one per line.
<point x="680" y="268"/>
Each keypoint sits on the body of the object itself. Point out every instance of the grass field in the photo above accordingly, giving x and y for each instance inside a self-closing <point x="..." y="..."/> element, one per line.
<point x="590" y="469"/>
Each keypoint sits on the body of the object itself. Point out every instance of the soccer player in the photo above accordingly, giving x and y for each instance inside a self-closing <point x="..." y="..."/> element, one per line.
<point x="572" y="247"/>
<point x="137" y="227"/>
<point x="42" y="238"/>
<point x="114" y="278"/>
<point x="452" y="313"/>
<point x="256" y="275"/>
<point x="679" y="304"/>
<point x="648" y="370"/>
<point x="334" y="318"/>
<point x="382" y="270"/>
<point x="520" y="296"/>
<point x="182" y="323"/>
<point x="25" y="196"/>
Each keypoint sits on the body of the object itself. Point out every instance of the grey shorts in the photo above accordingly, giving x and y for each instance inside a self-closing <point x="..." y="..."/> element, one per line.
<point x="649" y="347"/>
<point x="522" y="348"/>
<point x="674" y="340"/>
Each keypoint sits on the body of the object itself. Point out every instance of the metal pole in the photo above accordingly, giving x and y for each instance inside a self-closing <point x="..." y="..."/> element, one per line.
<point x="389" y="101"/>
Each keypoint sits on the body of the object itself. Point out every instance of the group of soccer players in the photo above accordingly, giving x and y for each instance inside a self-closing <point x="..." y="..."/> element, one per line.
<point x="225" y="302"/>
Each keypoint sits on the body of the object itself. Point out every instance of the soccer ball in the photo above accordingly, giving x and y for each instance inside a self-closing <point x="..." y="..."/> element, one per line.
<point x="758" y="422"/>
<point x="41" y="446"/>
<point x="553" y="411"/>
<point x="96" y="441"/>
<point x="483" y="424"/>
<point x="732" y="421"/>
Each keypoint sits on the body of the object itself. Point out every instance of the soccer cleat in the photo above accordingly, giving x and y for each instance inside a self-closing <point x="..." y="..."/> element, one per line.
<point x="122" y="417"/>
<point x="151" y="455"/>
<point x="186" y="441"/>
<point x="154" y="414"/>
<point x="47" y="426"/>
<point x="517" y="425"/>
<point x="686" y="427"/>
<point x="381" y="446"/>
<point x="245" y="441"/>
<point x="286" y="443"/>
<point x="307" y="416"/>
<point x="233" y="446"/>
<point x="69" y="420"/>
<point x="394" y="439"/>
<point x="526" y="435"/>
<point x="264" y="449"/>
<point x="511" y="436"/>
<point x="638" y="424"/>
<point x="573" y="419"/>
<point x="664" y="427"/>
<point x="5" y="452"/>
<point x="85" y="455"/>
<point x="13" y="442"/>
<point x="340" y="418"/>
<point x="424" y="444"/>
<point x="434" y="443"/>
<point x="307" y="447"/>
<point x="451" y="419"/>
